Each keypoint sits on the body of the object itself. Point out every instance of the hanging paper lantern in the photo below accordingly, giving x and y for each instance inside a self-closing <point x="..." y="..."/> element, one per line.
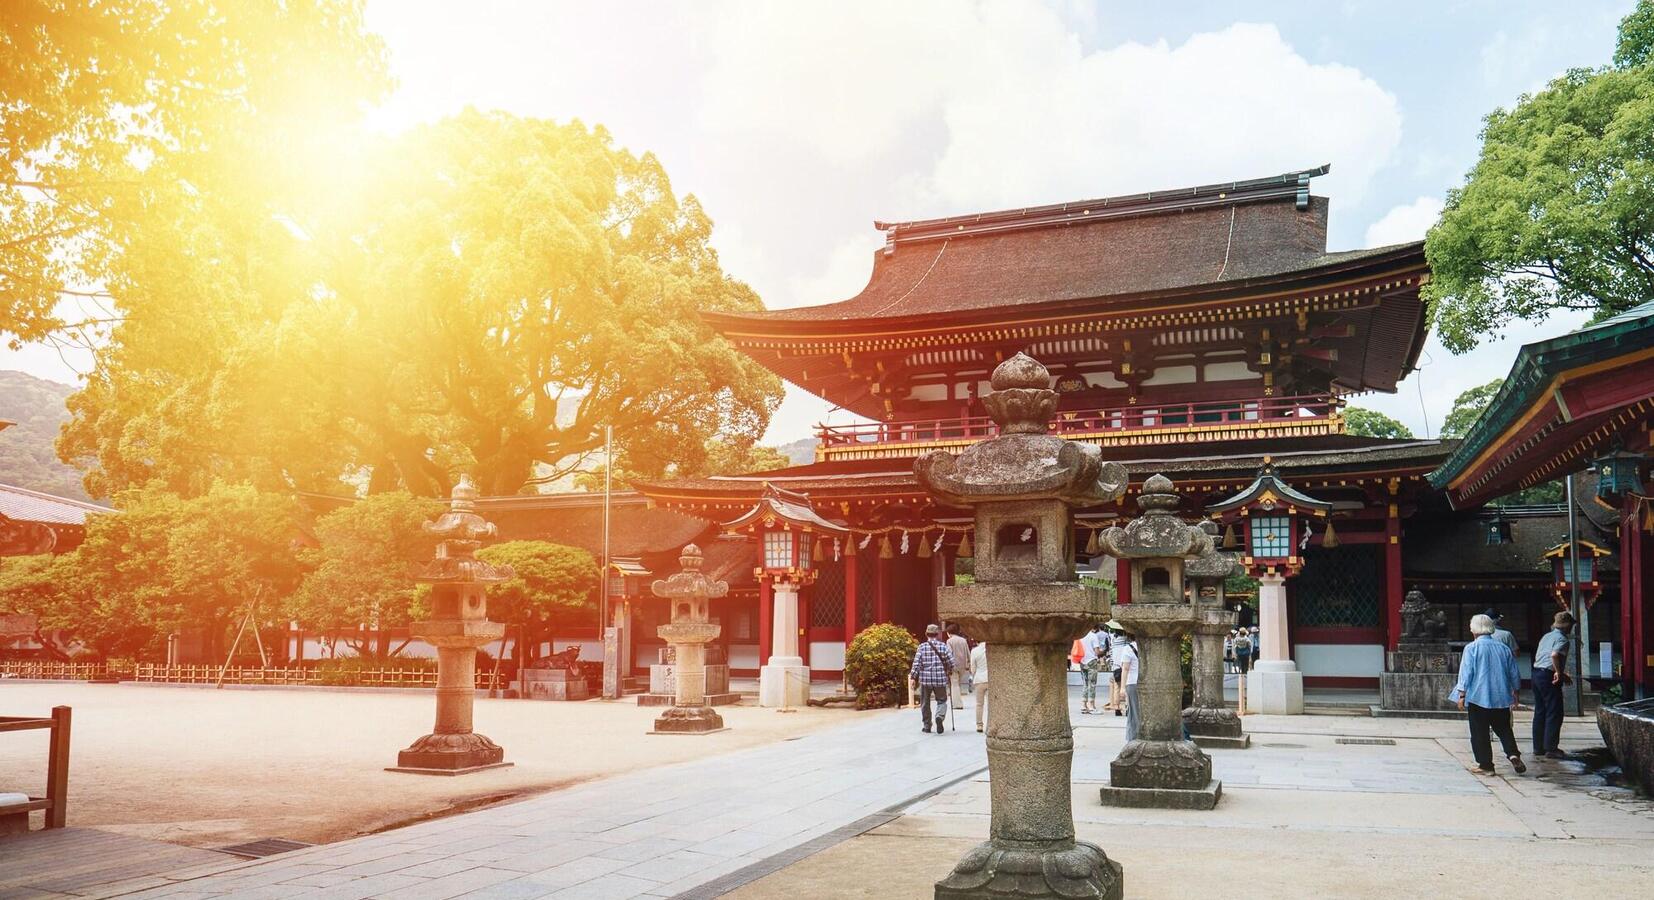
<point x="1091" y="546"/>
<point x="885" y="550"/>
<point x="965" y="551"/>
<point x="924" y="545"/>
<point x="1230" y="541"/>
<point x="1329" y="539"/>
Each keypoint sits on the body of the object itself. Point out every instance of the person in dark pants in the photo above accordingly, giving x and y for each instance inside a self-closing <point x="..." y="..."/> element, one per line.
<point x="932" y="665"/>
<point x="1243" y="652"/>
<point x="1488" y="686"/>
<point x="1550" y="663"/>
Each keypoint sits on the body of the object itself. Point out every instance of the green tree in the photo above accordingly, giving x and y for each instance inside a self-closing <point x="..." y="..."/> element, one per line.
<point x="1468" y="407"/>
<point x="550" y="580"/>
<point x="1558" y="212"/>
<point x="1371" y="423"/>
<point x="103" y="103"/>
<point x="721" y="457"/>
<point x="362" y="571"/>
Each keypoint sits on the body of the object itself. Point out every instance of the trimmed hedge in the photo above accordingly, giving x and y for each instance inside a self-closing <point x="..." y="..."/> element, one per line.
<point x="876" y="665"/>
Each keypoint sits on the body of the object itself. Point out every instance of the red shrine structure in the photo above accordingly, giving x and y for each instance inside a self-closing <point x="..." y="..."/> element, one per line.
<point x="1202" y="333"/>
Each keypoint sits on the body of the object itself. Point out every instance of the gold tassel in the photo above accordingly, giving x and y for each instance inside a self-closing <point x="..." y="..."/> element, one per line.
<point x="965" y="551"/>
<point x="924" y="545"/>
<point x="817" y="554"/>
<point x="1230" y="541"/>
<point x="1329" y="540"/>
<point x="885" y="550"/>
<point x="1648" y="516"/>
<point x="1092" y="548"/>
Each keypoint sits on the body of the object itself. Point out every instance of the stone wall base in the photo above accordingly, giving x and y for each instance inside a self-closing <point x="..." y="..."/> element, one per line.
<point x="1163" y="798"/>
<point x="1221" y="741"/>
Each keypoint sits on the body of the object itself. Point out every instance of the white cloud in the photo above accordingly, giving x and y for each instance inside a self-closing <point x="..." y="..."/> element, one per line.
<point x="1407" y="222"/>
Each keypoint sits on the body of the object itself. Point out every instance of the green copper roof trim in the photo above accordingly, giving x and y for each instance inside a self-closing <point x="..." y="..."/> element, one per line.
<point x="1536" y="364"/>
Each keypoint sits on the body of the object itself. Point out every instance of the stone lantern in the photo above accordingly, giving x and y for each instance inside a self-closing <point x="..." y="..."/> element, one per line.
<point x="457" y="627"/>
<point x="689" y="592"/>
<point x="1274" y="513"/>
<point x="1159" y="768"/>
<point x="788" y="529"/>
<point x="1209" y="720"/>
<point x="1028" y="606"/>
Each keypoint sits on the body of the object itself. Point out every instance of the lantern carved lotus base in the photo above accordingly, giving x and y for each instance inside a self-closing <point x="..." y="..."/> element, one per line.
<point x="1001" y="870"/>
<point x="689" y="720"/>
<point x="450" y="754"/>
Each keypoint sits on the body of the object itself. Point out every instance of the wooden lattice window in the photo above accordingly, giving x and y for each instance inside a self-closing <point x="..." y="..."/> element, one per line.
<point x="827" y="606"/>
<point x="867" y="587"/>
<point x="1339" y="588"/>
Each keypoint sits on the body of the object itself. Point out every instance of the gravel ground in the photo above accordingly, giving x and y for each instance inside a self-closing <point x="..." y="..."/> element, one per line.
<point x="206" y="767"/>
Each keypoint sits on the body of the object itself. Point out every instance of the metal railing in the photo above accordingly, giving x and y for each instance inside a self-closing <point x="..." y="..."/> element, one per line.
<point x="1175" y="420"/>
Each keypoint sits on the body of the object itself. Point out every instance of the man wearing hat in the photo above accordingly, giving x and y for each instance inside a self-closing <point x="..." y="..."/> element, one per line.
<point x="1499" y="632"/>
<point x="1116" y="690"/>
<point x="932" y="664"/>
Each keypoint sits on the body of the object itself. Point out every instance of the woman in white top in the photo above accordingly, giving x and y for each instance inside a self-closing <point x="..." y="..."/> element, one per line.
<point x="1126" y="653"/>
<point x="979" y="678"/>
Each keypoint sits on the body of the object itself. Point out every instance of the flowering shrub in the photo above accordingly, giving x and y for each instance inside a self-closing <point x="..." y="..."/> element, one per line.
<point x="876" y="665"/>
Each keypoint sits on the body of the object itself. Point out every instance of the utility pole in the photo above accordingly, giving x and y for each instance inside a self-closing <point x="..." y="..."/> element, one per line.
<point x="1573" y="701"/>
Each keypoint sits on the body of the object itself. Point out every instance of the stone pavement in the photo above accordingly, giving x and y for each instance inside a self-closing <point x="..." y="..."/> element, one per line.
<point x="655" y="833"/>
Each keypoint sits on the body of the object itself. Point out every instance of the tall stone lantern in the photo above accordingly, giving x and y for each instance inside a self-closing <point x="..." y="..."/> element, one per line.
<point x="1159" y="768"/>
<point x="689" y="593"/>
<point x="1209" y="720"/>
<point x="457" y="627"/>
<point x="1028" y="606"/>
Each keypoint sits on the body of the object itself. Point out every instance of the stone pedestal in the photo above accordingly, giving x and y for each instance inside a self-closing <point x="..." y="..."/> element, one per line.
<point x="784" y="680"/>
<point x="1032" y="851"/>
<point x="1160" y="769"/>
<point x="1274" y="687"/>
<point x="687" y="635"/>
<point x="663" y="680"/>
<point x="552" y="684"/>
<point x="1208" y="719"/>
<point x="1420" y="678"/>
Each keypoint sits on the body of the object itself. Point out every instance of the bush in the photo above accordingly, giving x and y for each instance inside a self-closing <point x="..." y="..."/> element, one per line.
<point x="876" y="665"/>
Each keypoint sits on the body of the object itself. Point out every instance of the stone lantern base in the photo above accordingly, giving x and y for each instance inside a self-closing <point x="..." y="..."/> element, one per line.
<point x="1275" y="687"/>
<point x="1162" y="775"/>
<point x="450" y="754"/>
<point x="1004" y="871"/>
<point x="689" y="720"/>
<point x="1215" y="728"/>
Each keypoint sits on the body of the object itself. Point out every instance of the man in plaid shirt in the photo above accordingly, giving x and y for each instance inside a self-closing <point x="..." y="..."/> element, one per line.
<point x="932" y="665"/>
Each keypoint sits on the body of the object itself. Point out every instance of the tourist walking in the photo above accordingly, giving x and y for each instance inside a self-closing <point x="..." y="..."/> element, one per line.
<point x="932" y="664"/>
<point x="1116" y="691"/>
<point x="1094" y="646"/>
<point x="1550" y="673"/>
<point x="1257" y="644"/>
<point x="960" y="681"/>
<point x="1243" y="651"/>
<point x="979" y="679"/>
<point x="1229" y="650"/>
<point x="1126" y="653"/>
<point x="1488" y="687"/>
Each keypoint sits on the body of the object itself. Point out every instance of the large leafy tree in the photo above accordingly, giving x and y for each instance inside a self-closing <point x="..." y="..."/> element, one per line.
<point x="361" y="573"/>
<point x="106" y="104"/>
<point x="1558" y="212"/>
<point x="1468" y="407"/>
<point x="550" y="580"/>
<point x="1371" y="423"/>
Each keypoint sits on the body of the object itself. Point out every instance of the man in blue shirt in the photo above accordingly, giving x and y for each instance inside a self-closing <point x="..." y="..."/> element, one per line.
<point x="1487" y="689"/>
<point x="1550" y="663"/>
<point x="932" y="665"/>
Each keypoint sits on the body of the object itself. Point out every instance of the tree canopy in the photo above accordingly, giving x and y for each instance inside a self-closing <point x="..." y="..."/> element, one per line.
<point x="549" y="579"/>
<point x="1468" y="407"/>
<point x="1371" y="423"/>
<point x="1558" y="212"/>
<point x="104" y="103"/>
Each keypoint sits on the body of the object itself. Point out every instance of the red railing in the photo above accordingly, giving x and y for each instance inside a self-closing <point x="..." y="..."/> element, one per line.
<point x="1215" y="414"/>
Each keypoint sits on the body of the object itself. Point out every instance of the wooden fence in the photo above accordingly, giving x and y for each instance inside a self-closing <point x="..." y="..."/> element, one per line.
<point x="56" y="801"/>
<point x="17" y="668"/>
<point x="206" y="674"/>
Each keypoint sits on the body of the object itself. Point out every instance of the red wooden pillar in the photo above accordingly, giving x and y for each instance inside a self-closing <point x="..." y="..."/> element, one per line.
<point x="948" y="567"/>
<point x="1392" y="578"/>
<point x="1637" y="641"/>
<point x="932" y="580"/>
<point x="806" y="594"/>
<point x="766" y="620"/>
<point x="1122" y="581"/>
<point x="850" y="598"/>
<point x="881" y="600"/>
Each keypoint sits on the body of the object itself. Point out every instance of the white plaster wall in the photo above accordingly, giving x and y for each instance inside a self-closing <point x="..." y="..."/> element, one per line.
<point x="827" y="655"/>
<point x="743" y="656"/>
<point x="1346" y="660"/>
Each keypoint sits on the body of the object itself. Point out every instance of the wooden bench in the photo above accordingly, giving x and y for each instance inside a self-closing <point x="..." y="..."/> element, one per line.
<point x="55" y="803"/>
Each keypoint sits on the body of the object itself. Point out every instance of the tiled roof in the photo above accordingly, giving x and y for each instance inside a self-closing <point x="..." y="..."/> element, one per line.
<point x="576" y="520"/>
<point x="24" y="505"/>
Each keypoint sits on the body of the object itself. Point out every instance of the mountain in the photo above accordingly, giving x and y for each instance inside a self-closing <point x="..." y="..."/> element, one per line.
<point x="27" y="459"/>
<point x="802" y="452"/>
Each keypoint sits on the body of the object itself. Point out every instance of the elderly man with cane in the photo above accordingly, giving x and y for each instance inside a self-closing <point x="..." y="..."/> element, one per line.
<point x="932" y="664"/>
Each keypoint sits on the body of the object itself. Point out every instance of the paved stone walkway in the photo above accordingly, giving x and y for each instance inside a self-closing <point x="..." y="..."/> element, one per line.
<point x="657" y="833"/>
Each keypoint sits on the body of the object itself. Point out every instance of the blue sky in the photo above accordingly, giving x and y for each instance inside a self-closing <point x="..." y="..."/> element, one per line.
<point x="798" y="124"/>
